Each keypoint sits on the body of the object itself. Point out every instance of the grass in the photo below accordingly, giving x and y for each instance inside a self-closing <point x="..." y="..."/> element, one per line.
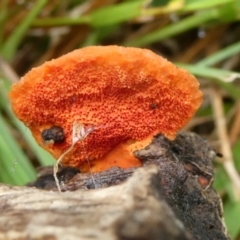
<point x="52" y="28"/>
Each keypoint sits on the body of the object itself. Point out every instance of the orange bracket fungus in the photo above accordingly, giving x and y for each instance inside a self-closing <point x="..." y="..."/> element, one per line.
<point x="101" y="103"/>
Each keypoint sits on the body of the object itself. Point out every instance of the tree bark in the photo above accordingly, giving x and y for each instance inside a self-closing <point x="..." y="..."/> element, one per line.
<point x="170" y="197"/>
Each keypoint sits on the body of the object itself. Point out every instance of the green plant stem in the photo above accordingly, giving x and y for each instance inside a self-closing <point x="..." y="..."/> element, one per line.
<point x="203" y="4"/>
<point x="175" y="28"/>
<point x="101" y="17"/>
<point x="221" y="77"/>
<point x="221" y="55"/>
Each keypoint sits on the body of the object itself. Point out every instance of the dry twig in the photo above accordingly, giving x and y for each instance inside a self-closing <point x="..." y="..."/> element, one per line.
<point x="224" y="141"/>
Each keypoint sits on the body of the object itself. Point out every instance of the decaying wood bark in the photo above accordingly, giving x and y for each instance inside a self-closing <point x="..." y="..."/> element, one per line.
<point x="170" y="197"/>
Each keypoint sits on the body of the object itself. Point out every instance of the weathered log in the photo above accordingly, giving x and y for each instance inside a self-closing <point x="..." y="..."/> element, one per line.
<point x="170" y="197"/>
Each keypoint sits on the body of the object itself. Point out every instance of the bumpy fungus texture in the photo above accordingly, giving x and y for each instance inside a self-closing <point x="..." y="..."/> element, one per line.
<point x="126" y="95"/>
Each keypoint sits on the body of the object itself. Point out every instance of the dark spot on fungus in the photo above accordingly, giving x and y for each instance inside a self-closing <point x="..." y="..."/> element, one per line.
<point x="54" y="134"/>
<point x="153" y="106"/>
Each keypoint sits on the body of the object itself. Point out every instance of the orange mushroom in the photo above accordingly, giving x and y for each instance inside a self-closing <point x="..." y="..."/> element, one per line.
<point x="117" y="97"/>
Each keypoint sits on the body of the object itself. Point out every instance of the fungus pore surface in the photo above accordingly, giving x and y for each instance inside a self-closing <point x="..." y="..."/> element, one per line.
<point x="125" y="95"/>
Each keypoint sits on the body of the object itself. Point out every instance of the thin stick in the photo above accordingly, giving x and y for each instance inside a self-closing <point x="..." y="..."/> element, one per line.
<point x="55" y="167"/>
<point x="235" y="129"/>
<point x="79" y="132"/>
<point x="220" y="122"/>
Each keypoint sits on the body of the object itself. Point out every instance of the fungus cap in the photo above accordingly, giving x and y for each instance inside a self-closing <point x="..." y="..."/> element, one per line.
<point x="126" y="95"/>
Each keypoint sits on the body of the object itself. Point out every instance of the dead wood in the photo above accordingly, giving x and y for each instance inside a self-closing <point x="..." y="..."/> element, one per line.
<point x="171" y="197"/>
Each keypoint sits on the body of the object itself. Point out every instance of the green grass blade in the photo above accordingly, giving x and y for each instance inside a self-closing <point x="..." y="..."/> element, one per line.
<point x="4" y="175"/>
<point x="192" y="5"/>
<point x="236" y="154"/>
<point x="174" y="29"/>
<point x="231" y="213"/>
<point x="8" y="166"/>
<point x="102" y="17"/>
<point x="9" y="48"/>
<point x="229" y="12"/>
<point x="221" y="55"/>
<point x="116" y="14"/>
<point x="221" y="179"/>
<point x="10" y="152"/>
<point x="220" y="77"/>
